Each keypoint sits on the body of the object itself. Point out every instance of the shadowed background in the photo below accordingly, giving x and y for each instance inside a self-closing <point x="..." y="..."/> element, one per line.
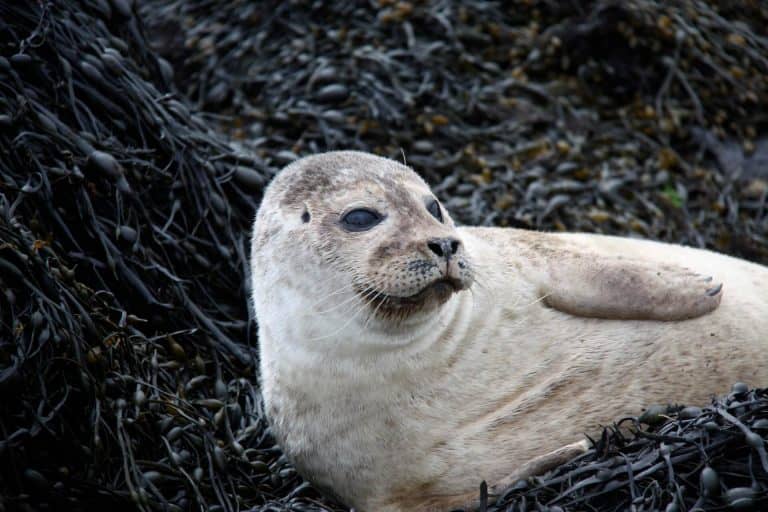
<point x="134" y="144"/>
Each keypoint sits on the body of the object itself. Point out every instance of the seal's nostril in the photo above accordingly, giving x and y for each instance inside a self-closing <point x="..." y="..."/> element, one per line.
<point x="444" y="247"/>
<point x="436" y="247"/>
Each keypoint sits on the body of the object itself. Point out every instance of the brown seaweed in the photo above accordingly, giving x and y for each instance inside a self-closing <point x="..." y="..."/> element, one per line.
<point x="135" y="141"/>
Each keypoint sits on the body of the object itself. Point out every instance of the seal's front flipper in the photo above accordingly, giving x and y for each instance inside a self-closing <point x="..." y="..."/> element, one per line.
<point x="600" y="286"/>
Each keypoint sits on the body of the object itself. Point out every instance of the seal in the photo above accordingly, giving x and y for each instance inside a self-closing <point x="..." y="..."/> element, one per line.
<point x="403" y="360"/>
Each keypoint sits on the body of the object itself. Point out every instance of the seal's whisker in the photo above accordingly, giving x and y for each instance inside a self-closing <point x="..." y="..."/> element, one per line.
<point x="357" y="280"/>
<point x="345" y="289"/>
<point x="474" y="299"/>
<point x="362" y="305"/>
<point x="543" y="297"/>
<point x="481" y="280"/>
<point x="328" y="280"/>
<point x="327" y="296"/>
<point x="361" y="298"/>
<point x="344" y="326"/>
<point x="331" y="279"/>
<point x="516" y="303"/>
<point x="381" y="300"/>
<point x="373" y="315"/>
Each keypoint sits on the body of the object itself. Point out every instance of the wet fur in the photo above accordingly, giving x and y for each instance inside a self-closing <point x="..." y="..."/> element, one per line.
<point x="411" y="415"/>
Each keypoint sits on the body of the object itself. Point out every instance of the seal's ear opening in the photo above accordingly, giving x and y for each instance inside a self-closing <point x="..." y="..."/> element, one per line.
<point x="305" y="217"/>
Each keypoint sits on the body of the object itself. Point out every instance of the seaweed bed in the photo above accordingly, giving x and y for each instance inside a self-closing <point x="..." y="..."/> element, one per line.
<point x="134" y="145"/>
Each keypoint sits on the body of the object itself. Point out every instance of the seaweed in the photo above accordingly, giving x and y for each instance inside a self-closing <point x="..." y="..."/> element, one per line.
<point x="127" y="362"/>
<point x="135" y="142"/>
<point x="671" y="458"/>
<point x="643" y="118"/>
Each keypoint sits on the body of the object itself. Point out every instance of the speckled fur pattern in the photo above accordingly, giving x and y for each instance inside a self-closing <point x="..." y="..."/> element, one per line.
<point x="546" y="338"/>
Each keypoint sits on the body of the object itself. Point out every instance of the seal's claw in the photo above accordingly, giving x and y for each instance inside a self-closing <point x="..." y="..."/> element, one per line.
<point x="715" y="290"/>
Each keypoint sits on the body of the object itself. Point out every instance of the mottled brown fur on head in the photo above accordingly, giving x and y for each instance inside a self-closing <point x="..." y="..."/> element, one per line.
<point x="318" y="176"/>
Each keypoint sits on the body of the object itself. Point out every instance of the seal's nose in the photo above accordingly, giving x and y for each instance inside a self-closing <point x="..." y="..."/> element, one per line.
<point x="444" y="247"/>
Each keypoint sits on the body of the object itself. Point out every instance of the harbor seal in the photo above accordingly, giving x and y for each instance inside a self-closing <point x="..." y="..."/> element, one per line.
<point x="403" y="360"/>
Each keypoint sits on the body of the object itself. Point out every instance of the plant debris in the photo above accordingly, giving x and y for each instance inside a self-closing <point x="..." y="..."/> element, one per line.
<point x="641" y="118"/>
<point x="127" y="361"/>
<point x="127" y="350"/>
<point x="690" y="458"/>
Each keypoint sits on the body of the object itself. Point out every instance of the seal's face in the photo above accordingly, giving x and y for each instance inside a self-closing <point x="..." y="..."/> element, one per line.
<point x="371" y="230"/>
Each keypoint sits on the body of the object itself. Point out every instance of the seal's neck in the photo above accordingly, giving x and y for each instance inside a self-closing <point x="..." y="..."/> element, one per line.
<point x="310" y="338"/>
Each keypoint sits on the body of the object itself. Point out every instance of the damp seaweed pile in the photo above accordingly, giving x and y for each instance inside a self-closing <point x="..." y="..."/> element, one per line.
<point x="670" y="458"/>
<point x="127" y="370"/>
<point x="645" y="117"/>
<point x="134" y="146"/>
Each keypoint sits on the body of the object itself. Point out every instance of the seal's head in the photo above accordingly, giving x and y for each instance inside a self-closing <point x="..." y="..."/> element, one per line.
<point x="358" y="235"/>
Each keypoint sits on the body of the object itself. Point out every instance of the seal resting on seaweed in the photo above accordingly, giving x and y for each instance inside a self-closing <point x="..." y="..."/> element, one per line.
<point x="404" y="360"/>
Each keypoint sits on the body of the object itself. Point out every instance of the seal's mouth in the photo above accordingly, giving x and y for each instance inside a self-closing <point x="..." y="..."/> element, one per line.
<point x="439" y="290"/>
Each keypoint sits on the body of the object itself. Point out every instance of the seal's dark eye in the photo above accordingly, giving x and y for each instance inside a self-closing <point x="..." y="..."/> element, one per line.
<point x="434" y="208"/>
<point x="360" y="219"/>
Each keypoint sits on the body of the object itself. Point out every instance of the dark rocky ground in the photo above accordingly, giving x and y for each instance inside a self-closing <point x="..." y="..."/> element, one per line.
<point x="134" y="143"/>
